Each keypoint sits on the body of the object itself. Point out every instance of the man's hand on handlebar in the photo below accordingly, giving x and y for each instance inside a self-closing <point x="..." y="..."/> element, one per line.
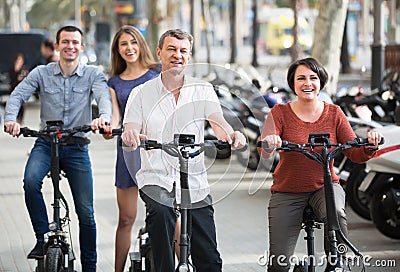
<point x="131" y="139"/>
<point x="12" y="128"/>
<point x="237" y="140"/>
<point x="101" y="123"/>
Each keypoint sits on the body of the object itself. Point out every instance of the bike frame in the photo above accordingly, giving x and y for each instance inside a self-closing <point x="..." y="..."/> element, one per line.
<point x="323" y="158"/>
<point x="180" y="148"/>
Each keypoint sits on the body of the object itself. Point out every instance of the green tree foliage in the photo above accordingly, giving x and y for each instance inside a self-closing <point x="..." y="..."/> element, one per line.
<point x="44" y="13"/>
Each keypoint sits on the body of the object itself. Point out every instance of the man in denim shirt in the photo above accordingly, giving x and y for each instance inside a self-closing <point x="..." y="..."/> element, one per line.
<point x="66" y="89"/>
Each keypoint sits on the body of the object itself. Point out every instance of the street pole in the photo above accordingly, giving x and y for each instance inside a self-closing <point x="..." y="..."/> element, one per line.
<point x="78" y="20"/>
<point x="377" y="47"/>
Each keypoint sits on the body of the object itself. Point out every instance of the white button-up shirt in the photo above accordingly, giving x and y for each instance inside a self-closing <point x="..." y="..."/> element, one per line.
<point x="154" y="108"/>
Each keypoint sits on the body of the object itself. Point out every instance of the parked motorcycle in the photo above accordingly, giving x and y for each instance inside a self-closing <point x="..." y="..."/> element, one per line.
<point x="234" y="88"/>
<point x="379" y="105"/>
<point x="351" y="174"/>
<point x="253" y="121"/>
<point x="375" y="185"/>
<point x="342" y="165"/>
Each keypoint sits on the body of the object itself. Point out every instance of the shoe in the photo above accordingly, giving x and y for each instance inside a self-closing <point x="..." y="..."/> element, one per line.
<point x="37" y="252"/>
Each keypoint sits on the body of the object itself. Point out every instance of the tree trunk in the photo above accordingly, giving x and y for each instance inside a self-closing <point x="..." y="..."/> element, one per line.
<point x="154" y="18"/>
<point x="296" y="51"/>
<point x="344" y="53"/>
<point x="326" y="48"/>
<point x="254" y="61"/>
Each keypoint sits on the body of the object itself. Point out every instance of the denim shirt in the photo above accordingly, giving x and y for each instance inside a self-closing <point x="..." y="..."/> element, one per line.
<point x="66" y="98"/>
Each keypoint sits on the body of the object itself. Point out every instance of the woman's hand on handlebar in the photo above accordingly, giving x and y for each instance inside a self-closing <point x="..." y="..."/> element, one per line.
<point x="274" y="141"/>
<point x="374" y="138"/>
<point x="12" y="128"/>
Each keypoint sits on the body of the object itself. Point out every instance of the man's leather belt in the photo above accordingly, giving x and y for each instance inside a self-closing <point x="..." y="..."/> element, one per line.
<point x="74" y="141"/>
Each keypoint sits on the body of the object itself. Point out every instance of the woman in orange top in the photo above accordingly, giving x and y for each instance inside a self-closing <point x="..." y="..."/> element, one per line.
<point x="299" y="181"/>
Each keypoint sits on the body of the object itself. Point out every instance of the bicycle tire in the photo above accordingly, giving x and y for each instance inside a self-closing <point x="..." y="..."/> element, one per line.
<point x="54" y="260"/>
<point x="250" y="159"/>
<point x="358" y="200"/>
<point x="387" y="221"/>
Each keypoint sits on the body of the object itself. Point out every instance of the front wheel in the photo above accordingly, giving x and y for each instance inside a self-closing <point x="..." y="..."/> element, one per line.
<point x="385" y="209"/>
<point x="358" y="200"/>
<point x="54" y="260"/>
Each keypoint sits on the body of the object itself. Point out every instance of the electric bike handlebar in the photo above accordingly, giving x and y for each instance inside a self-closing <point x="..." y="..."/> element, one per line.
<point x="175" y="149"/>
<point x="289" y="146"/>
<point x="152" y="144"/>
<point x="52" y="130"/>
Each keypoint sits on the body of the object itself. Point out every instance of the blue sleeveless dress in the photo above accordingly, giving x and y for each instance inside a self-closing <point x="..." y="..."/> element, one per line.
<point x="128" y="163"/>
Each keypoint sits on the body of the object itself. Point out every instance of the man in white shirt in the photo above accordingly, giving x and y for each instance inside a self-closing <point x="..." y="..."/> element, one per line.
<point x="173" y="103"/>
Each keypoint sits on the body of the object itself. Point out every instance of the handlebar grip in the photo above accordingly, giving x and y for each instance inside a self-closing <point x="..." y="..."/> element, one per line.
<point x="22" y="130"/>
<point x="150" y="144"/>
<point x="244" y="148"/>
<point x="265" y="145"/>
<point x="27" y="132"/>
<point x="218" y="144"/>
<point x="114" y="132"/>
<point x="364" y="141"/>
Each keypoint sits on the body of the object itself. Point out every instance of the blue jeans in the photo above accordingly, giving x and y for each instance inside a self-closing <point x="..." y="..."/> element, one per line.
<point x="75" y="162"/>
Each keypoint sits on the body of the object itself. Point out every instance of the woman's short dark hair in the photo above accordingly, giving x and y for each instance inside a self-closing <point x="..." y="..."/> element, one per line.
<point x="311" y="63"/>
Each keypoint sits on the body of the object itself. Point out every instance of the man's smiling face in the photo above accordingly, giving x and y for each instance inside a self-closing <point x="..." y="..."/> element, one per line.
<point x="70" y="45"/>
<point x="174" y="53"/>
